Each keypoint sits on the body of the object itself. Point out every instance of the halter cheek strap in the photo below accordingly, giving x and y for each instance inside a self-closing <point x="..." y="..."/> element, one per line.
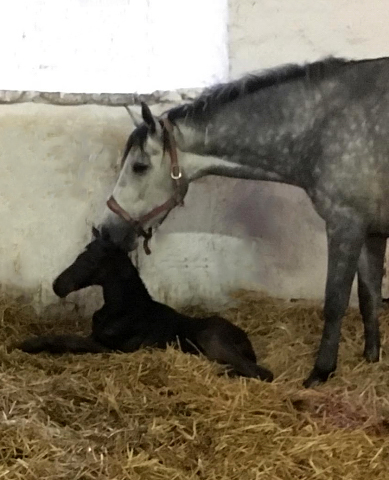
<point x="180" y="189"/>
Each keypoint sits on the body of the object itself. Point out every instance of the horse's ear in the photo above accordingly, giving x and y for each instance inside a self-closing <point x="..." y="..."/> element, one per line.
<point x="135" y="116"/>
<point x="150" y="120"/>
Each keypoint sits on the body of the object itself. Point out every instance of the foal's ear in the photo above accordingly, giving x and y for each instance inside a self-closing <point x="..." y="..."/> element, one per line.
<point x="150" y="120"/>
<point x="95" y="232"/>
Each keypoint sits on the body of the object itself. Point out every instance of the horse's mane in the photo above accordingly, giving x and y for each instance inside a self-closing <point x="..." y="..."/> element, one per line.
<point x="214" y="97"/>
<point x="219" y="95"/>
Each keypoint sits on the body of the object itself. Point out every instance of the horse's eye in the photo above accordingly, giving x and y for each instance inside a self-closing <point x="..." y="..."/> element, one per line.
<point x="139" y="168"/>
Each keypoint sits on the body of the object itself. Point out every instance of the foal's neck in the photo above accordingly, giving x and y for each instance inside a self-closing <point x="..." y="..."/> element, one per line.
<point x="121" y="292"/>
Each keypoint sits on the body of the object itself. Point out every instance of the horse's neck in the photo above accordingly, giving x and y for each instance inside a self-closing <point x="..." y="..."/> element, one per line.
<point x="259" y="141"/>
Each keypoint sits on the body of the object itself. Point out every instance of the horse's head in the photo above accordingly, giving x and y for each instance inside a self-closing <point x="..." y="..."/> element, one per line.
<point x="101" y="260"/>
<point x="150" y="183"/>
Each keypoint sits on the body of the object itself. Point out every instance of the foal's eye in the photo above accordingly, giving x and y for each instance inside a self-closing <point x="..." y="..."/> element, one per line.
<point x="139" y="168"/>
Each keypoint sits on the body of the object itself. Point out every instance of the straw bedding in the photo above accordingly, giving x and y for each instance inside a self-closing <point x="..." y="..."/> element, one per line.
<point x="165" y="415"/>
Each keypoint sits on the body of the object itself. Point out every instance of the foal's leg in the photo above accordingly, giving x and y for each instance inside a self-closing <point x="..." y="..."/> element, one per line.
<point x="345" y="239"/>
<point x="61" y="344"/>
<point x="133" y="344"/>
<point x="370" y="272"/>
<point x="217" y="350"/>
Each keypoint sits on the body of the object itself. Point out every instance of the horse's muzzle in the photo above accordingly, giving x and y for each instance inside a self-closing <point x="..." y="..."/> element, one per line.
<point x="121" y="234"/>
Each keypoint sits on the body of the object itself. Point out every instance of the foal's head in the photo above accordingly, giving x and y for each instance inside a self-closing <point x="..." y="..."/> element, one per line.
<point x="101" y="261"/>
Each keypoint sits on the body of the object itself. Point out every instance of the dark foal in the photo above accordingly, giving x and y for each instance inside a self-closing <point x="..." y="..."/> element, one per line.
<point x="131" y="319"/>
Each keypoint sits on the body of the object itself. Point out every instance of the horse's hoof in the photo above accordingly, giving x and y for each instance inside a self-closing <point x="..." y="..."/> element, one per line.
<point x="372" y="355"/>
<point x="316" y="378"/>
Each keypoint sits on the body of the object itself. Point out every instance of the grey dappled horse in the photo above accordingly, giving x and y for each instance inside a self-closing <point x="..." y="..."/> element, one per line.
<point x="323" y="127"/>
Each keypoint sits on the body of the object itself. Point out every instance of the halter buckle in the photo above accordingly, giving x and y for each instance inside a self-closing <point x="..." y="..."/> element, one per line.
<point x="175" y="172"/>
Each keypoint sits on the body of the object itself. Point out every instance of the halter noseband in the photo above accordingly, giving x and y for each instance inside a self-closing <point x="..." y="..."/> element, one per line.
<point x="180" y="187"/>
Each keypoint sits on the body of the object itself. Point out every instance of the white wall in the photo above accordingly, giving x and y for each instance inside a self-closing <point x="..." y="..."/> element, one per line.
<point x="57" y="169"/>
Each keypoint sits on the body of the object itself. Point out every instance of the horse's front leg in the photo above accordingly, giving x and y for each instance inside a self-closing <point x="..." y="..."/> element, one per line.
<point x="345" y="238"/>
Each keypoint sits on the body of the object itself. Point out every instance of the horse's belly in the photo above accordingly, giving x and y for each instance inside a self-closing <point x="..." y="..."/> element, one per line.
<point x="376" y="212"/>
<point x="370" y="204"/>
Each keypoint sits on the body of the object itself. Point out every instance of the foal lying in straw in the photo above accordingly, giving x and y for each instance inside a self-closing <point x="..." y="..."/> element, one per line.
<point x="131" y="319"/>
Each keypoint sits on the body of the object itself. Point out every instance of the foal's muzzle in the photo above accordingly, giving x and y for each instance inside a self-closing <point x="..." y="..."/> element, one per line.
<point x="62" y="288"/>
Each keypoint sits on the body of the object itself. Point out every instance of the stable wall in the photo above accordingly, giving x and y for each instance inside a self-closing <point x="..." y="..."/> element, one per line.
<point x="60" y="162"/>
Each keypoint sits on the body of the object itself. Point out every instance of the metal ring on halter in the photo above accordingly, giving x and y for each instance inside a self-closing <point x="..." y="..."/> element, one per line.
<point x="178" y="175"/>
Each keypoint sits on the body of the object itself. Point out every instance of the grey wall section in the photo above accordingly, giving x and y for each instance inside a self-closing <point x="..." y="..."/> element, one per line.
<point x="58" y="167"/>
<point x="264" y="33"/>
<point x="59" y="164"/>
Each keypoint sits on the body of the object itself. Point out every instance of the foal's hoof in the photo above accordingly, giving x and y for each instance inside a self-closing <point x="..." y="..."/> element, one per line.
<point x="31" y="345"/>
<point x="265" y="375"/>
<point x="316" y="378"/>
